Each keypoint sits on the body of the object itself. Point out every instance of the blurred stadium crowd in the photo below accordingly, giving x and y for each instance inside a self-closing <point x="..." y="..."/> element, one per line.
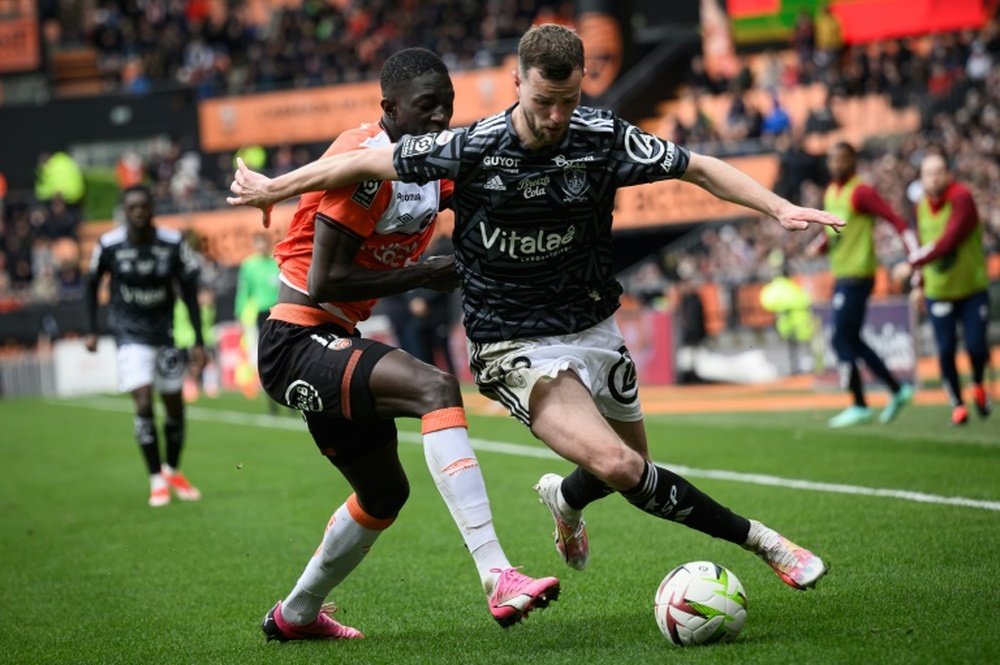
<point x="231" y="48"/>
<point x="952" y="80"/>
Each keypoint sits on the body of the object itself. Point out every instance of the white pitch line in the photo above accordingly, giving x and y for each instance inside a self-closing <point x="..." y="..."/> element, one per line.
<point x="520" y="450"/>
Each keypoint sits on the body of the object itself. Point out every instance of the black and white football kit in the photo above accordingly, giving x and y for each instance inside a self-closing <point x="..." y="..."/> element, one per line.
<point x="533" y="244"/>
<point x="144" y="280"/>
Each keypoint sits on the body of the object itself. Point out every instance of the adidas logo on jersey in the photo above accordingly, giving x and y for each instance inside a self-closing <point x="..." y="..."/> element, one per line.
<point x="495" y="184"/>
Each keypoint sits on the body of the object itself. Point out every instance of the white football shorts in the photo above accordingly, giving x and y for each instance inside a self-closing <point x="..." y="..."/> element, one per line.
<point x="143" y="365"/>
<point x="507" y="371"/>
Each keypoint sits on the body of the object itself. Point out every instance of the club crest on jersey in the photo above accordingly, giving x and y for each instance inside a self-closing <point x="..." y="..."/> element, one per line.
<point x="576" y="184"/>
<point x="332" y="342"/>
<point x="364" y="193"/>
<point x="417" y="145"/>
<point x="303" y="396"/>
<point x="643" y="148"/>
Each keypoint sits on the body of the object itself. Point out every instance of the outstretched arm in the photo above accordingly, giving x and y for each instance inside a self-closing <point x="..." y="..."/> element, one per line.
<point x="255" y="189"/>
<point x="866" y="199"/>
<point x="731" y="184"/>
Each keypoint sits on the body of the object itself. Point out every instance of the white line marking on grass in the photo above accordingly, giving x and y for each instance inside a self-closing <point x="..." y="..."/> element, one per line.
<point x="520" y="450"/>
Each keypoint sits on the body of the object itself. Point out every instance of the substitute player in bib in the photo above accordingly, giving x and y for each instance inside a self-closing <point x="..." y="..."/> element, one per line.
<point x="534" y="195"/>
<point x="345" y="248"/>
<point x="853" y="262"/>
<point x="145" y="263"/>
<point x="952" y="264"/>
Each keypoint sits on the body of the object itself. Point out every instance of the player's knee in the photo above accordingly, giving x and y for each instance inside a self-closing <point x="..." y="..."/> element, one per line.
<point x="387" y="501"/>
<point x="620" y="467"/>
<point x="439" y="391"/>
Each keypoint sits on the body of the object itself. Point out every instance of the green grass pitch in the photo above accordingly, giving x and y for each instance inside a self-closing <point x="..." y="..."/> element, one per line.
<point x="90" y="574"/>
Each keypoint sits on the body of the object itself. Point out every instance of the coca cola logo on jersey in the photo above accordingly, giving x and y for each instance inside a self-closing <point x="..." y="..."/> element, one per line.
<point x="397" y="254"/>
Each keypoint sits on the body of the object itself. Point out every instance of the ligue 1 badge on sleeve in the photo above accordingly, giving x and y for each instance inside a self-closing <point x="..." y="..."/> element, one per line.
<point x="417" y="145"/>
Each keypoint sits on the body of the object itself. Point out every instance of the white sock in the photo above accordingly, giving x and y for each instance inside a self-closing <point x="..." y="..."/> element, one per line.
<point x="568" y="513"/>
<point x="455" y="470"/>
<point x="156" y="481"/>
<point x="349" y="535"/>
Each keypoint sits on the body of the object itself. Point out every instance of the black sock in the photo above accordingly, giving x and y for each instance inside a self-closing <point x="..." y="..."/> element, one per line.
<point x="857" y="389"/>
<point x="173" y="432"/>
<point x="668" y="496"/>
<point x="145" y="434"/>
<point x="581" y="488"/>
<point x="979" y="362"/>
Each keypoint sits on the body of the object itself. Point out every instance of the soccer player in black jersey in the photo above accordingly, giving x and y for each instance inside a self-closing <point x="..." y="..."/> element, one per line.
<point x="533" y="201"/>
<point x="145" y="264"/>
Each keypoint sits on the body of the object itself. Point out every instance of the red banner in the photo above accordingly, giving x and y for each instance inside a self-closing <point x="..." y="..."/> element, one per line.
<point x="744" y="8"/>
<point x="868" y="20"/>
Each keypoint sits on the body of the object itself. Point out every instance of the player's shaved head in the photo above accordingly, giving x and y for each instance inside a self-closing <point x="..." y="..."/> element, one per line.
<point x="417" y="93"/>
<point x="406" y="65"/>
<point x="137" y="205"/>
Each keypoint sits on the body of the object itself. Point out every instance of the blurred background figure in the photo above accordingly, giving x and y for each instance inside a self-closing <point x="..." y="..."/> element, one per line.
<point x="853" y="262"/>
<point x="256" y="293"/>
<point x="691" y="313"/>
<point x="431" y="317"/>
<point x="792" y="309"/>
<point x="953" y="269"/>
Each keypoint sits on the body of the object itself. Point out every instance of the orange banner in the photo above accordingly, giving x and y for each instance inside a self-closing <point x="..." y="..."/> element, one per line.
<point x="19" y="46"/>
<point x="320" y="114"/>
<point x="674" y="201"/>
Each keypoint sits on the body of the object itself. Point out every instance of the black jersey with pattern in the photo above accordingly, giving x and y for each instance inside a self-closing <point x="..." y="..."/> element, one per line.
<point x="144" y="282"/>
<point x="533" y="227"/>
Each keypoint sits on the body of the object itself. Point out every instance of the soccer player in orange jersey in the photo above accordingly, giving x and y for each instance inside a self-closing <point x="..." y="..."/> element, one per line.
<point x="344" y="249"/>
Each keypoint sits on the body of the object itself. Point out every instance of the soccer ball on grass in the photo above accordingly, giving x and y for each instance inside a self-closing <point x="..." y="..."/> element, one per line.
<point x="700" y="603"/>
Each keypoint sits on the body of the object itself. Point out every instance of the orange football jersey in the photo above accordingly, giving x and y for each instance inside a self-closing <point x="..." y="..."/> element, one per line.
<point x="393" y="220"/>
